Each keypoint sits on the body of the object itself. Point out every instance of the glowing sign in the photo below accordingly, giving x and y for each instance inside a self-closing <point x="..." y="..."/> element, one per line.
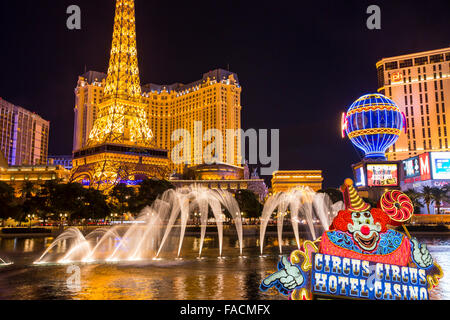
<point x="346" y="277"/>
<point x="373" y="124"/>
<point x="411" y="169"/>
<point x="425" y="171"/>
<point x="440" y="164"/>
<point x="87" y="183"/>
<point x="397" y="77"/>
<point x="360" y="257"/>
<point x="382" y="175"/>
<point x="344" y="124"/>
<point x="360" y="177"/>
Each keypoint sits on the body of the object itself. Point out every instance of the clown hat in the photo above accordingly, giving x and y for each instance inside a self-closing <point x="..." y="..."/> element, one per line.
<point x="352" y="200"/>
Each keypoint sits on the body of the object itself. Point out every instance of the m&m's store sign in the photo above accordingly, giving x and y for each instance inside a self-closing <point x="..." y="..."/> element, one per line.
<point x="338" y="276"/>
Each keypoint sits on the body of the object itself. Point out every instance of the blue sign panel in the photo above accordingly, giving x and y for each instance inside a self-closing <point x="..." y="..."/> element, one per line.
<point x="360" y="177"/>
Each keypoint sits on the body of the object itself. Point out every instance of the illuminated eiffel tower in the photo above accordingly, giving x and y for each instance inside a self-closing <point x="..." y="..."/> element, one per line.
<point x="120" y="143"/>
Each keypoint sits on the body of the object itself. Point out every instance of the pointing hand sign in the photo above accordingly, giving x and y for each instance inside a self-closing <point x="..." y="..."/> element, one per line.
<point x="287" y="278"/>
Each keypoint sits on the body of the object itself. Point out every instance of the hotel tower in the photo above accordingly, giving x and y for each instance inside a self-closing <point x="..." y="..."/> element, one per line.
<point x="23" y="135"/>
<point x="419" y="83"/>
<point x="213" y="102"/>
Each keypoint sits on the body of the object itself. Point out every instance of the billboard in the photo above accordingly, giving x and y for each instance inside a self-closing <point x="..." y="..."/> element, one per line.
<point x="425" y="169"/>
<point x="440" y="165"/>
<point x="382" y="175"/>
<point x="412" y="168"/>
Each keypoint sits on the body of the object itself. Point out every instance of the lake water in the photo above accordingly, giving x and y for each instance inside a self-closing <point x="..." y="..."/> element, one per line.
<point x="230" y="278"/>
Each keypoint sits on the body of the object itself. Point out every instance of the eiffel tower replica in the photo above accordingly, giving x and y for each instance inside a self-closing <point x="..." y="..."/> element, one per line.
<point x="120" y="147"/>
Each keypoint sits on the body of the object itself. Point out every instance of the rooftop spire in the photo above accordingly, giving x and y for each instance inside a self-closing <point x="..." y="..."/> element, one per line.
<point x="123" y="72"/>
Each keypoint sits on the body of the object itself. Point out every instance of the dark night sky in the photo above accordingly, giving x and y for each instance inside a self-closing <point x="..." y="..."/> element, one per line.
<point x="301" y="63"/>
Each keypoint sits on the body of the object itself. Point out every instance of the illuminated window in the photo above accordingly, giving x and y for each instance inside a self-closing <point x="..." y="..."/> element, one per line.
<point x="406" y="63"/>
<point x="436" y="58"/>
<point x="420" y="61"/>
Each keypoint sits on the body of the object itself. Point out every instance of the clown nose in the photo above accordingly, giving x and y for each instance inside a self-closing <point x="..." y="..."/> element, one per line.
<point x="365" y="230"/>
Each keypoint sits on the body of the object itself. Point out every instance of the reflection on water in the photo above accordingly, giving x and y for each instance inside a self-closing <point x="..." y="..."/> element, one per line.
<point x="231" y="278"/>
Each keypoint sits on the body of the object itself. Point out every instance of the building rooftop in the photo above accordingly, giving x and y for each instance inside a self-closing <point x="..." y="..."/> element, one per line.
<point x="92" y="76"/>
<point x="21" y="109"/>
<point x="418" y="54"/>
<point x="217" y="74"/>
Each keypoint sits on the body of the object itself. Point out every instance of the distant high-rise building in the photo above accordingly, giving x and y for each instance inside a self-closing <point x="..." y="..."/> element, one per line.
<point x="88" y="95"/>
<point x="23" y="135"/>
<point x="64" y="161"/>
<point x="419" y="83"/>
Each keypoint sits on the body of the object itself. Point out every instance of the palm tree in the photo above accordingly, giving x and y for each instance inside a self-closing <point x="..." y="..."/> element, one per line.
<point x="446" y="189"/>
<point x="8" y="203"/>
<point x="121" y="198"/>
<point x="440" y="195"/>
<point x="27" y="190"/>
<point x="427" y="196"/>
<point x="27" y="200"/>
<point x="249" y="204"/>
<point x="415" y="199"/>
<point x="149" y="190"/>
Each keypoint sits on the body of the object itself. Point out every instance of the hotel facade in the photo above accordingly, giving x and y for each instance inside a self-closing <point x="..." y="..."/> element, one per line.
<point x="23" y="135"/>
<point x="214" y="102"/>
<point x="419" y="83"/>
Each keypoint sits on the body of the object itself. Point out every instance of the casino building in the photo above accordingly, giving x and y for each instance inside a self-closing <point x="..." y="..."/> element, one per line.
<point x="125" y="132"/>
<point x="37" y="174"/>
<point x="222" y="176"/>
<point x="65" y="161"/>
<point x="214" y="100"/>
<point x="23" y="135"/>
<point x="430" y="169"/>
<point x="419" y="83"/>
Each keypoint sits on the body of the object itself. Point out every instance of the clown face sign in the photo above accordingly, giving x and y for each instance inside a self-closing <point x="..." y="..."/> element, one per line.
<point x="360" y="257"/>
<point x="365" y="231"/>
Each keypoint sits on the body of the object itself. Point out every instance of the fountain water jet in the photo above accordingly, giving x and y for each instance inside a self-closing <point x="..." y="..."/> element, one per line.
<point x="3" y="263"/>
<point x="150" y="231"/>
<point x="300" y="203"/>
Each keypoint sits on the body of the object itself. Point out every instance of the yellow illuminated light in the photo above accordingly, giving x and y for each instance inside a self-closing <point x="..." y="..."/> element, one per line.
<point x="122" y="116"/>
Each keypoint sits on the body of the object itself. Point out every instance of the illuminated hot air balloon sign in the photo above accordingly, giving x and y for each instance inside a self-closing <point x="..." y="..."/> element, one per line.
<point x="373" y="123"/>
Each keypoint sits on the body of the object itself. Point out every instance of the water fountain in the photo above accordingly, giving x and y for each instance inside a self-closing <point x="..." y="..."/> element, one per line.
<point x="301" y="203"/>
<point x="147" y="237"/>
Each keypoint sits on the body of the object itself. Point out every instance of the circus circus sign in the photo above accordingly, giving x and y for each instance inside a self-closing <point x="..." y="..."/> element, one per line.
<point x="361" y="256"/>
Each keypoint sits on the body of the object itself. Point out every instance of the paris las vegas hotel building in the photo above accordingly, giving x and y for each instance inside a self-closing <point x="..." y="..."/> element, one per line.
<point x="215" y="100"/>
